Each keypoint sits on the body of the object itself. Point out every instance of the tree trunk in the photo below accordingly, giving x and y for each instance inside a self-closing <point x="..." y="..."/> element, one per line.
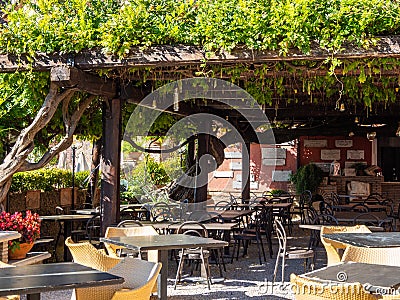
<point x="15" y="161"/>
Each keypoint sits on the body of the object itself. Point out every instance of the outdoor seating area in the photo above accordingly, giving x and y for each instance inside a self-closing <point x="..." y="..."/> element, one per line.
<point x="258" y="249"/>
<point x="199" y="149"/>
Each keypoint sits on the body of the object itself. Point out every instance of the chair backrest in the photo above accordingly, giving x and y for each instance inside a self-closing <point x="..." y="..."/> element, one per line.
<point x="325" y="219"/>
<point x="188" y="228"/>
<point x="379" y="256"/>
<point x="93" y="228"/>
<point x="360" y="207"/>
<point x="87" y="255"/>
<point x="125" y="231"/>
<point x="281" y="235"/>
<point x="233" y="199"/>
<point x="373" y="200"/>
<point x="366" y="219"/>
<point x="309" y="215"/>
<point x="129" y="213"/>
<point x="59" y="210"/>
<point x="223" y="205"/>
<point x="305" y="288"/>
<point x="161" y="211"/>
<point x="325" y="208"/>
<point x="332" y="247"/>
<point x="305" y="198"/>
<point x="335" y="198"/>
<point x="129" y="223"/>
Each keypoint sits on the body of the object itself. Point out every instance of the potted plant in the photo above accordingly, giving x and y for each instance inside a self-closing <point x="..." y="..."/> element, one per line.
<point x="307" y="177"/>
<point x="28" y="225"/>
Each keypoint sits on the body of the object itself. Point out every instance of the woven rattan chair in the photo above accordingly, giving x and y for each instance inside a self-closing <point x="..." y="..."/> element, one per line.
<point x="332" y="247"/>
<point x="378" y="256"/>
<point x="115" y="251"/>
<point x="305" y="289"/>
<point x="139" y="275"/>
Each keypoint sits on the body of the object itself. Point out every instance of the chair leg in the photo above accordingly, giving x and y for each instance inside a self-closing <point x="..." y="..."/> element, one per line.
<point x="179" y="270"/>
<point x="206" y="268"/>
<point x="259" y="251"/>
<point x="262" y="248"/>
<point x="233" y="251"/>
<point x="221" y="251"/>
<point x="283" y="269"/>
<point x="276" y="269"/>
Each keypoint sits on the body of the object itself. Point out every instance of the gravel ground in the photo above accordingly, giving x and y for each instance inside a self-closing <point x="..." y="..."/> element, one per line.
<point x="243" y="279"/>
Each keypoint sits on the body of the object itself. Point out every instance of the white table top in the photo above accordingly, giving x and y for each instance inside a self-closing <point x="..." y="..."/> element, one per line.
<point x="9" y="235"/>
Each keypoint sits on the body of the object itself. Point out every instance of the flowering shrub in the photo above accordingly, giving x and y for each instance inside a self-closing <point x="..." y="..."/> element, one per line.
<point x="28" y="226"/>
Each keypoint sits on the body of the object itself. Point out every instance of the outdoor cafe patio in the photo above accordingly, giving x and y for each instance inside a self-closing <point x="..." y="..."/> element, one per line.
<point x="247" y="74"/>
<point x="239" y="251"/>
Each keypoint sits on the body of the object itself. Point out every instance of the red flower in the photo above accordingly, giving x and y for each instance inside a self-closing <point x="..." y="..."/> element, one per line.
<point x="28" y="226"/>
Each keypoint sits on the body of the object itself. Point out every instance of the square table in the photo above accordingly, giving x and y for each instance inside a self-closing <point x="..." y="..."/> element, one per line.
<point x="34" y="279"/>
<point x="163" y="243"/>
<point x="67" y="221"/>
<point x="368" y="240"/>
<point x="377" y="279"/>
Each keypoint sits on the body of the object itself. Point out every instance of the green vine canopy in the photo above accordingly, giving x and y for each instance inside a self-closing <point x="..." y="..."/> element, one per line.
<point x="114" y="27"/>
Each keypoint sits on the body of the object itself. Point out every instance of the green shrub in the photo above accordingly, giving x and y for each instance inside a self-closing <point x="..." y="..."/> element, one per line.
<point x="307" y="177"/>
<point x="46" y="180"/>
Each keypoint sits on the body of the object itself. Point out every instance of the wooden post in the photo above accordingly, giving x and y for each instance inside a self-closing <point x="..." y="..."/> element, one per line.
<point x="201" y="191"/>
<point x="245" y="172"/>
<point x="110" y="163"/>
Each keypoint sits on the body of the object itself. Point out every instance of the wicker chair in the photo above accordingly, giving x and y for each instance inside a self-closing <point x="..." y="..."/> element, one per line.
<point x="115" y="251"/>
<point x="137" y="285"/>
<point x="306" y="289"/>
<point x="332" y="247"/>
<point x="378" y="256"/>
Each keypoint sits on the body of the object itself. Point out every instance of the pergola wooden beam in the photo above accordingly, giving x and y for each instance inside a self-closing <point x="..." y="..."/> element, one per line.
<point x="388" y="46"/>
<point x="72" y="77"/>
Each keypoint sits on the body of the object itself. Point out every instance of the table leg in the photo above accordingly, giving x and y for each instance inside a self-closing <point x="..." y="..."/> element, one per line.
<point x="33" y="296"/>
<point x="67" y="233"/>
<point x="162" y="283"/>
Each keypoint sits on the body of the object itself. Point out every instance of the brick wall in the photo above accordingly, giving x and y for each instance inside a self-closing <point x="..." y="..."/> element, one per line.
<point x="341" y="182"/>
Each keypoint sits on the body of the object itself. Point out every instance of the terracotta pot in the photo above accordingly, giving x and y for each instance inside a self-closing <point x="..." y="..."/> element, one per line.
<point x="20" y="253"/>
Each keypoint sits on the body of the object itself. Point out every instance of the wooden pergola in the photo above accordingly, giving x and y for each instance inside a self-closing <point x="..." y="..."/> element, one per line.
<point x="79" y="71"/>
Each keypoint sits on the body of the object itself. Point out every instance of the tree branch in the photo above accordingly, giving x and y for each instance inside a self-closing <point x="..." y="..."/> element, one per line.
<point x="66" y="141"/>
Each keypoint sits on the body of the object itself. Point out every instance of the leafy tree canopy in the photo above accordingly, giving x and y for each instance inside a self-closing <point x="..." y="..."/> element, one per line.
<point x="116" y="26"/>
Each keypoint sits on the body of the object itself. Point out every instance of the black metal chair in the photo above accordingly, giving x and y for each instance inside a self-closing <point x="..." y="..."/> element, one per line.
<point x="161" y="211"/>
<point x="252" y="232"/>
<point x="129" y="223"/>
<point x="304" y="202"/>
